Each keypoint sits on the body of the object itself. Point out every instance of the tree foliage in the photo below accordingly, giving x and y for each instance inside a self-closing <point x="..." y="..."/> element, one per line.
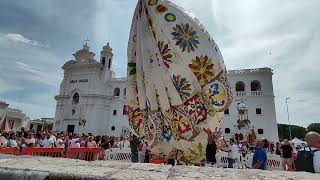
<point x="314" y="127"/>
<point x="296" y="131"/>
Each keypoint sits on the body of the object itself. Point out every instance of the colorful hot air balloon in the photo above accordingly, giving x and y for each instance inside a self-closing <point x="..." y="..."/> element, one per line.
<point x="177" y="80"/>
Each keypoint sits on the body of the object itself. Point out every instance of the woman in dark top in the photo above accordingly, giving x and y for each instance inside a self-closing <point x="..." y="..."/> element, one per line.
<point x="211" y="152"/>
<point x="211" y="148"/>
<point x="134" y="142"/>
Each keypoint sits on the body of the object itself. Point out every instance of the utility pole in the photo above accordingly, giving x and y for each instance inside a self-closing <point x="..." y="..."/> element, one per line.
<point x="288" y="118"/>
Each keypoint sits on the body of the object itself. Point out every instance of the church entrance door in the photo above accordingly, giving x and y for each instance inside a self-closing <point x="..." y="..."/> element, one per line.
<point x="70" y="129"/>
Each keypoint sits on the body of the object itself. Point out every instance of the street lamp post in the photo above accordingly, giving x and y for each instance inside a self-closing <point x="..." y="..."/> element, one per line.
<point x="288" y="117"/>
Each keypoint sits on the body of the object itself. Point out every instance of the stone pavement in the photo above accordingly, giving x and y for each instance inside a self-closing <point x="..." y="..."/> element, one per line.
<point x="42" y="168"/>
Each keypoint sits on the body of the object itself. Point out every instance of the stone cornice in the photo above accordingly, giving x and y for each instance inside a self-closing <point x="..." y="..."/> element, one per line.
<point x="249" y="71"/>
<point x="72" y="64"/>
<point x="60" y="97"/>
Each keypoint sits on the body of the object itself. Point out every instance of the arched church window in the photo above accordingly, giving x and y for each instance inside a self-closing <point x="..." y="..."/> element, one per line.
<point x="116" y="92"/>
<point x="109" y="64"/>
<point x="125" y="92"/>
<point x="240" y="86"/>
<point x="113" y="128"/>
<point x="75" y="98"/>
<point x="103" y="61"/>
<point x="260" y="131"/>
<point x="255" y="86"/>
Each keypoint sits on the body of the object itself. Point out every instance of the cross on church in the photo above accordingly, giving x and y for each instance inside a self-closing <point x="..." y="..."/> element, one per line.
<point x="87" y="40"/>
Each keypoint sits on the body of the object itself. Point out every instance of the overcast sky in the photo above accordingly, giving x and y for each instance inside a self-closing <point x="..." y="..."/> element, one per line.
<point x="37" y="37"/>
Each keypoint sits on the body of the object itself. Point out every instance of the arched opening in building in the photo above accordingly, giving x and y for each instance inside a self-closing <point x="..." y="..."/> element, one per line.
<point x="109" y="64"/>
<point x="75" y="98"/>
<point x="255" y="86"/>
<point x="103" y="61"/>
<point x="240" y="86"/>
<point x="116" y="92"/>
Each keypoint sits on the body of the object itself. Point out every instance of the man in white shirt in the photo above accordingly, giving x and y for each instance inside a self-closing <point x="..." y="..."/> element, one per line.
<point x="75" y="142"/>
<point x="30" y="141"/>
<point x="124" y="143"/>
<point x="60" y="142"/>
<point x="3" y="141"/>
<point x="313" y="141"/>
<point x="46" y="143"/>
<point x="231" y="149"/>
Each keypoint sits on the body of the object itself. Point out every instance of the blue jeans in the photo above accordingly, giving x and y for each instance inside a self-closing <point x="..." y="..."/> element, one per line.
<point x="231" y="162"/>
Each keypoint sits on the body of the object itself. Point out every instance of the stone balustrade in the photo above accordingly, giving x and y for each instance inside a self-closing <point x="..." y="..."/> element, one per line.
<point x="248" y="93"/>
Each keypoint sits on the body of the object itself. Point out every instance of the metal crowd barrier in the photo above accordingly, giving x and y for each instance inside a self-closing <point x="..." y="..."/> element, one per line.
<point x="12" y="151"/>
<point x="117" y="154"/>
<point x="88" y="154"/>
<point x="48" y="152"/>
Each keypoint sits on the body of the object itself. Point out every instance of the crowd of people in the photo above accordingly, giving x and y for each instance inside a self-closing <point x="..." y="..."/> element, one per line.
<point x="294" y="157"/>
<point x="48" y="139"/>
<point x="289" y="152"/>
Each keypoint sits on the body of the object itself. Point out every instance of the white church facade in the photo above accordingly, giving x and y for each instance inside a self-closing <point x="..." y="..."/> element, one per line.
<point x="92" y="100"/>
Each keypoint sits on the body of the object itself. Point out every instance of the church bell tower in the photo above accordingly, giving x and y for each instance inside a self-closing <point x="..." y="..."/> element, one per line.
<point x="106" y="57"/>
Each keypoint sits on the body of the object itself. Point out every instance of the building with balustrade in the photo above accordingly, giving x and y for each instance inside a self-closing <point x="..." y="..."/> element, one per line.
<point x="253" y="91"/>
<point x="92" y="100"/>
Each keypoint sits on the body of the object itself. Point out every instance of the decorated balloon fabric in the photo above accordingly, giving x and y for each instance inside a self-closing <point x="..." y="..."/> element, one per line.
<point x="177" y="83"/>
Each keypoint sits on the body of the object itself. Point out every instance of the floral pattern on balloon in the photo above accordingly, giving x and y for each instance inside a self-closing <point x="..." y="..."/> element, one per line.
<point x="185" y="37"/>
<point x="216" y="94"/>
<point x="202" y="67"/>
<point x="166" y="53"/>
<point x="183" y="86"/>
<point x="196" y="109"/>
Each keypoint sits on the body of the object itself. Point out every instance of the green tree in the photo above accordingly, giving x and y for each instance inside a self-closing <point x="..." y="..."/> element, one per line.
<point x="314" y="127"/>
<point x="296" y="131"/>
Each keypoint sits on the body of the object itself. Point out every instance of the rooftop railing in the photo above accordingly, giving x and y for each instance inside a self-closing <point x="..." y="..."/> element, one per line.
<point x="250" y="93"/>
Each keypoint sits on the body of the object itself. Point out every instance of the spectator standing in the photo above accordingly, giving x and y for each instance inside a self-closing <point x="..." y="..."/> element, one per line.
<point x="75" y="142"/>
<point x="259" y="160"/>
<point x="30" y="141"/>
<point x="211" y="148"/>
<point x="243" y="149"/>
<point x="142" y="152"/>
<point x="231" y="149"/>
<point x="12" y="141"/>
<point x="308" y="159"/>
<point x="278" y="148"/>
<point x="91" y="143"/>
<point x="47" y="143"/>
<point x="60" y="142"/>
<point x="287" y="151"/>
<point x="147" y="154"/>
<point x="134" y="148"/>
<point x="3" y="140"/>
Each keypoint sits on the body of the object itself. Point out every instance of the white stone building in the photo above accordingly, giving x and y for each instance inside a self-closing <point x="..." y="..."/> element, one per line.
<point x="252" y="88"/>
<point x="11" y="119"/>
<point x="40" y="124"/>
<point x="92" y="100"/>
